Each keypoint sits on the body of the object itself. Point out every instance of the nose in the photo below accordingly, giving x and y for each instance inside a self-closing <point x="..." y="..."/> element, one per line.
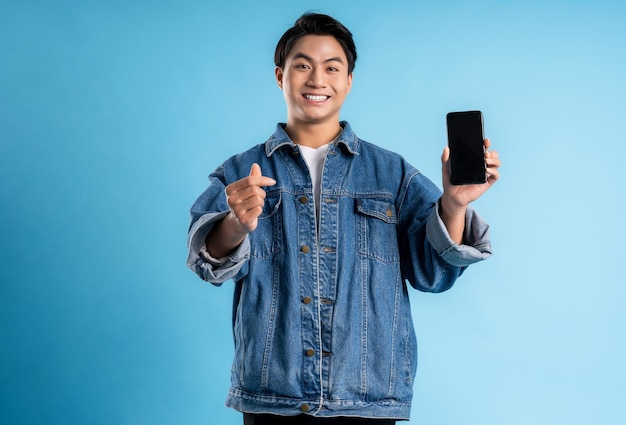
<point x="317" y="78"/>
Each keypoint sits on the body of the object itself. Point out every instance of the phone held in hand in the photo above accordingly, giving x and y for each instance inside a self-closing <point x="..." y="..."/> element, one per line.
<point x="467" y="147"/>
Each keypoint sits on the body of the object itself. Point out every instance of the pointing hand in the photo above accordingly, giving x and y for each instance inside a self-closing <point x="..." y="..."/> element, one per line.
<point x="246" y="198"/>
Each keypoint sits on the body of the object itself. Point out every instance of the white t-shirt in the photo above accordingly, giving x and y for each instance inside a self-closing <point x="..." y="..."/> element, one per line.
<point x="314" y="158"/>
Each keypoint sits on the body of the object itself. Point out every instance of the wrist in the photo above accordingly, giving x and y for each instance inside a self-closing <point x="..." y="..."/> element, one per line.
<point x="450" y="207"/>
<point x="225" y="237"/>
<point x="233" y="227"/>
<point x="453" y="216"/>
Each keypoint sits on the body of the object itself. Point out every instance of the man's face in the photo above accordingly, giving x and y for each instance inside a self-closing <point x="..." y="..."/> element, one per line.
<point x="314" y="80"/>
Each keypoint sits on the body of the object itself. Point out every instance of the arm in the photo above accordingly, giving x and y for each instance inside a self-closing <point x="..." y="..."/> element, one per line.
<point x="431" y="260"/>
<point x="455" y="199"/>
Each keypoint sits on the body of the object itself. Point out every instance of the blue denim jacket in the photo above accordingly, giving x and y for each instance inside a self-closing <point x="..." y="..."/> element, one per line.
<point x="321" y="316"/>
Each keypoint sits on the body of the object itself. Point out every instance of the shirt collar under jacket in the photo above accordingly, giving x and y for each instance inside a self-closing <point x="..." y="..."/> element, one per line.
<point x="280" y="138"/>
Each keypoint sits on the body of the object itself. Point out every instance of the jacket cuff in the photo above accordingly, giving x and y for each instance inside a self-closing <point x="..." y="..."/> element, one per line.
<point x="476" y="244"/>
<point x="214" y="270"/>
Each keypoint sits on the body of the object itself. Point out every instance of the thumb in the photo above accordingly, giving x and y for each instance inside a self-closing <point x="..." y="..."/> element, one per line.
<point x="445" y="156"/>
<point x="255" y="170"/>
<point x="445" y="166"/>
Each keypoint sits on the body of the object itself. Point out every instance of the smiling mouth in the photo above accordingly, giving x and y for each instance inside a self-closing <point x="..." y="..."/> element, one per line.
<point x="316" y="97"/>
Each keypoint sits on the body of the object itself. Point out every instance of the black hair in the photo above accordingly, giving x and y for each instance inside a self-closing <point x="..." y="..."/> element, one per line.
<point x="316" y="24"/>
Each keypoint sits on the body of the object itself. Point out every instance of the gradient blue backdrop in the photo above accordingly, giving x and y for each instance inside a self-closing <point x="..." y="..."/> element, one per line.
<point x="113" y="113"/>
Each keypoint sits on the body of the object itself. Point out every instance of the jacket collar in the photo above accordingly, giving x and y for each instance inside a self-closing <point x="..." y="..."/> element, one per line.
<point x="280" y="138"/>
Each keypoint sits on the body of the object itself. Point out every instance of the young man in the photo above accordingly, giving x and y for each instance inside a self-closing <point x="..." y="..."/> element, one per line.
<point x="320" y="231"/>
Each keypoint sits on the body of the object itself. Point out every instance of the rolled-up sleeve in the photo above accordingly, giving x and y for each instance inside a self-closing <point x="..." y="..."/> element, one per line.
<point x="208" y="268"/>
<point x="476" y="244"/>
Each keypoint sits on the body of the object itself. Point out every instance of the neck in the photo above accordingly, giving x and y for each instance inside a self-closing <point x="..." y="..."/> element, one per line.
<point x="313" y="135"/>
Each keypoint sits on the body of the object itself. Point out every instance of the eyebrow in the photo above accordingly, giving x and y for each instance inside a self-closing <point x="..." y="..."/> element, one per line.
<point x="300" y="55"/>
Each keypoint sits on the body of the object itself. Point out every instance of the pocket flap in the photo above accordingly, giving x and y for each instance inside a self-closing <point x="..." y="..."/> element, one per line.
<point x="381" y="208"/>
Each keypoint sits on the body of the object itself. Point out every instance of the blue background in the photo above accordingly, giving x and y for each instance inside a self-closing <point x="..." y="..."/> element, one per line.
<point x="113" y="113"/>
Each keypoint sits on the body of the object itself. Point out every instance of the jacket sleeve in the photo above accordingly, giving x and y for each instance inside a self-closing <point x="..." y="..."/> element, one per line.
<point x="209" y="209"/>
<point x="431" y="261"/>
<point x="476" y="244"/>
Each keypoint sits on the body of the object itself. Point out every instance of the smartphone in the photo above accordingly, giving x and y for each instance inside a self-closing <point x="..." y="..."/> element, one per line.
<point x="467" y="147"/>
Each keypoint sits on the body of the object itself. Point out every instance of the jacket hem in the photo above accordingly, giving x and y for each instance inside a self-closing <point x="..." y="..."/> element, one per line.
<point x="246" y="402"/>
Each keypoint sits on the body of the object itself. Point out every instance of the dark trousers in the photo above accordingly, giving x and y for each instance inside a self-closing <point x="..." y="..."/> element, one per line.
<point x="263" y="419"/>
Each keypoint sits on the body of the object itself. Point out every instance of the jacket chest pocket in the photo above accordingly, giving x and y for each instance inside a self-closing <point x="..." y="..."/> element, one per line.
<point x="377" y="229"/>
<point x="265" y="240"/>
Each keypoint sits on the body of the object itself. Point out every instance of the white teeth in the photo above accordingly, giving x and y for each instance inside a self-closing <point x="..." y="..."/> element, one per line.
<point x="315" y="98"/>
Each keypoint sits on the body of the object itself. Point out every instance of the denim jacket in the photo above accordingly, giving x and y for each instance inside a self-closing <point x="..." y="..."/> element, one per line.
<point x="321" y="315"/>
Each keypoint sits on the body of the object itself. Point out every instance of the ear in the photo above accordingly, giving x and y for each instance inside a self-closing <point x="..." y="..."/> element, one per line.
<point x="349" y="82"/>
<point x="278" y="73"/>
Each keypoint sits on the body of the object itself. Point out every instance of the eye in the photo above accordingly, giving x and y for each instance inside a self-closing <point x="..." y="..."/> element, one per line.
<point x="301" y="66"/>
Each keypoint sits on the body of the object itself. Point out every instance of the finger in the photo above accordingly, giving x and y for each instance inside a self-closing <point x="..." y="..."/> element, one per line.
<point x="487" y="144"/>
<point x="247" y="212"/>
<point x="266" y="181"/>
<point x="255" y="170"/>
<point x="445" y="166"/>
<point x="492" y="159"/>
<point x="491" y="154"/>
<point x="249" y="195"/>
<point x="445" y="156"/>
<point x="246" y="199"/>
<point x="492" y="162"/>
<point x="249" y="215"/>
<point x="249" y="219"/>
<point x="250" y="181"/>
<point x="259" y="178"/>
<point x="493" y="174"/>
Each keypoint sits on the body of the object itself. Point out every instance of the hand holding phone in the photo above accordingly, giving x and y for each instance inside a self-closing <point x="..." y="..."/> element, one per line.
<point x="467" y="147"/>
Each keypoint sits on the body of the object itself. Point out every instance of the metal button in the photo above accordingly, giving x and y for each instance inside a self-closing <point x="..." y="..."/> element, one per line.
<point x="310" y="352"/>
<point x="305" y="408"/>
<point x="306" y="300"/>
<point x="305" y="249"/>
<point x="389" y="213"/>
<point x="304" y="199"/>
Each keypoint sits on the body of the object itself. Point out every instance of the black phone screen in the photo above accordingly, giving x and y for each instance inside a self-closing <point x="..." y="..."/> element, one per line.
<point x="467" y="150"/>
